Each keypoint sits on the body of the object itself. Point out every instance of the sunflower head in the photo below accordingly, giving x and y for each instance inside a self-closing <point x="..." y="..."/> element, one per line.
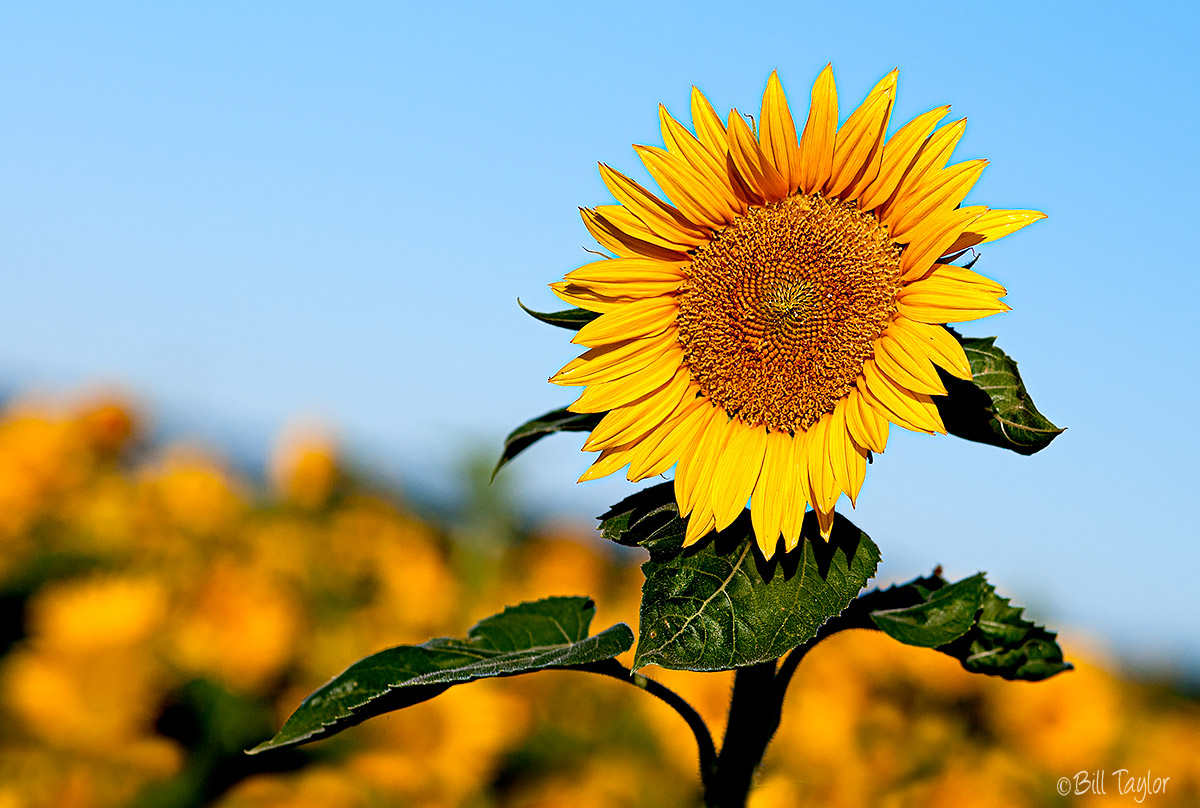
<point x="761" y="329"/>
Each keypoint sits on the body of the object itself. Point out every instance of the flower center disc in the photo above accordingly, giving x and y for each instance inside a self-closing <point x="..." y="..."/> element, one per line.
<point x="782" y="308"/>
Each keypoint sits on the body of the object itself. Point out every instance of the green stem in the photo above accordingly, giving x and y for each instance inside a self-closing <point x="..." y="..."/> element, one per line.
<point x="704" y="742"/>
<point x="754" y="712"/>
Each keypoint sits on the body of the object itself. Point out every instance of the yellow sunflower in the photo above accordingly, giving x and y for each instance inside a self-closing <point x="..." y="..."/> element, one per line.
<point x="762" y="332"/>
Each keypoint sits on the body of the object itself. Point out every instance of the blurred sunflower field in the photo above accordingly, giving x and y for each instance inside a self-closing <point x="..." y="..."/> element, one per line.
<point x="160" y="613"/>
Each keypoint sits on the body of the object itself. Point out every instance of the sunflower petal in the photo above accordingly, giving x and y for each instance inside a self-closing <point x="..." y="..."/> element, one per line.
<point x="617" y="270"/>
<point x="636" y="319"/>
<point x="709" y="128"/>
<point x="662" y="449"/>
<point x="820" y="133"/>
<point x="604" y="396"/>
<point x="934" y="153"/>
<point x="633" y="421"/>
<point x="914" y="372"/>
<point x="615" y="359"/>
<point x="699" y="524"/>
<point x="993" y="225"/>
<point x="946" y="300"/>
<point x="610" y="460"/>
<point x="686" y="188"/>
<point x="657" y="215"/>
<point x="941" y="193"/>
<point x="898" y="155"/>
<point x="627" y="242"/>
<point x="752" y="165"/>
<point x="771" y="491"/>
<point x="858" y="146"/>
<point x="691" y="462"/>
<point x="737" y="471"/>
<point x="868" y="428"/>
<point x="931" y="239"/>
<point x="933" y="341"/>
<point x="914" y="411"/>
<point x="794" y="468"/>
<point x="777" y="133"/>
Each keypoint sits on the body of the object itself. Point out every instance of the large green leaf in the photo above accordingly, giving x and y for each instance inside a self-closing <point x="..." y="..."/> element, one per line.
<point x="719" y="605"/>
<point x="994" y="407"/>
<point x="532" y="431"/>
<point x="573" y="319"/>
<point x="1003" y="643"/>
<point x="941" y="614"/>
<point x="966" y="620"/>
<point x="550" y="633"/>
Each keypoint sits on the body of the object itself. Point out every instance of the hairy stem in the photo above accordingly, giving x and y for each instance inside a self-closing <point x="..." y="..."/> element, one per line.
<point x="754" y="712"/>
<point x="704" y="742"/>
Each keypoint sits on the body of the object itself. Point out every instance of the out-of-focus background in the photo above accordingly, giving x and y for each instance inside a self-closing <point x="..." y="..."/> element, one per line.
<point x="249" y="217"/>
<point x="164" y="612"/>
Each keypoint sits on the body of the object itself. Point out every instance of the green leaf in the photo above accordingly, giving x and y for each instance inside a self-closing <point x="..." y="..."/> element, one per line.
<point x="940" y="616"/>
<point x="994" y="407"/>
<point x="719" y="605"/>
<point x="573" y="319"/>
<point x="550" y="633"/>
<point x="966" y="620"/>
<point x="531" y="432"/>
<point x="1003" y="643"/>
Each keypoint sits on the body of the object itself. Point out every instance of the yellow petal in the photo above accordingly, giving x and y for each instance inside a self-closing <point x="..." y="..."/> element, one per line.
<point x="822" y="485"/>
<point x="662" y="449"/>
<point x="709" y="453"/>
<point x="898" y="155"/>
<point x="614" y="360"/>
<point x="636" y="319"/>
<point x="914" y="372"/>
<point x="820" y="131"/>
<point x="771" y="492"/>
<point x="737" y="471"/>
<point x="699" y="525"/>
<point x="914" y="411"/>
<point x="964" y="275"/>
<point x="935" y="342"/>
<point x="858" y="146"/>
<point x="946" y="300"/>
<point x="587" y="299"/>
<point x="993" y="225"/>
<point x="709" y="128"/>
<point x="657" y="215"/>
<point x="631" y="423"/>
<point x="610" y="460"/>
<point x="934" y="153"/>
<point x="942" y="192"/>
<point x="867" y="426"/>
<point x="604" y="396"/>
<point x="777" y="133"/>
<point x="616" y="270"/>
<point x="691" y="462"/>
<point x="824" y="522"/>
<point x="931" y="239"/>
<point x="751" y="164"/>
<point x="686" y="188"/>
<point x="679" y="141"/>
<point x="627" y="242"/>
<point x="794" y="469"/>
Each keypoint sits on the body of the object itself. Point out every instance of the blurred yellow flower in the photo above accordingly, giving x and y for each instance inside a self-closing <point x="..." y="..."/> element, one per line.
<point x="238" y="629"/>
<point x="304" y="467"/>
<point x="79" y="616"/>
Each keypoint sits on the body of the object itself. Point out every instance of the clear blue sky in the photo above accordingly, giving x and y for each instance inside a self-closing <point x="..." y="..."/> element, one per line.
<point x="246" y="212"/>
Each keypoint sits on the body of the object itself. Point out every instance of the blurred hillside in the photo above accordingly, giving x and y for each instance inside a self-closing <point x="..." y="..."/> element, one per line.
<point x="159" y="613"/>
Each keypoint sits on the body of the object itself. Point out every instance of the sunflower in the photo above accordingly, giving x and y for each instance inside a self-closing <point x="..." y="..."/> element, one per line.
<point x="762" y="332"/>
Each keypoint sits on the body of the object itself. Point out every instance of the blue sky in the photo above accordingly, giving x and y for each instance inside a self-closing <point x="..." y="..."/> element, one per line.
<point x="245" y="213"/>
